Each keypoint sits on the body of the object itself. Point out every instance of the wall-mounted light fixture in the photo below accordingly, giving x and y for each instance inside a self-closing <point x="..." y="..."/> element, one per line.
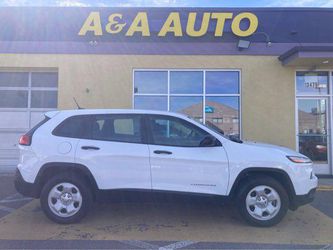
<point x="245" y="44"/>
<point x="267" y="37"/>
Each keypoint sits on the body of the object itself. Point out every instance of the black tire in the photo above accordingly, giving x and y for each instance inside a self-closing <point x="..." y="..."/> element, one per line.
<point x="84" y="190"/>
<point x="249" y="184"/>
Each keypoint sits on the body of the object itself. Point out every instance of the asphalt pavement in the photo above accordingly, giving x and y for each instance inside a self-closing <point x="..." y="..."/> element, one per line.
<point x="144" y="221"/>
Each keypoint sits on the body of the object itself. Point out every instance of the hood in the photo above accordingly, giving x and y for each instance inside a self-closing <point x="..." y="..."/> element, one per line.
<point x="283" y="150"/>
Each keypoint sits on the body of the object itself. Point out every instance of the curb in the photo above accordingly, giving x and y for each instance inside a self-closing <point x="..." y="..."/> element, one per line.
<point x="325" y="188"/>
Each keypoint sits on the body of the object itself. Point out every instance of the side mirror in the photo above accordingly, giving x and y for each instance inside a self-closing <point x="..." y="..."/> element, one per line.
<point x="235" y="138"/>
<point x="209" y="141"/>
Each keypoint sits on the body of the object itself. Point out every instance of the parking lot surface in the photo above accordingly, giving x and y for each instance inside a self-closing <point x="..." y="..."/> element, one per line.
<point x="144" y="221"/>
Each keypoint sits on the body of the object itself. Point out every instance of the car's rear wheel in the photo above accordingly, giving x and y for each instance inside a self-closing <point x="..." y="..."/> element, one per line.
<point x="262" y="201"/>
<point x="66" y="199"/>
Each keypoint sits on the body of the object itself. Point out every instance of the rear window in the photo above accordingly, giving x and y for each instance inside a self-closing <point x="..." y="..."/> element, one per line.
<point x="108" y="127"/>
<point x="32" y="131"/>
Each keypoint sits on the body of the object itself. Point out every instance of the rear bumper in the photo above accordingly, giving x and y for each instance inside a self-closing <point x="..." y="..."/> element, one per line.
<point x="300" y="200"/>
<point x="26" y="188"/>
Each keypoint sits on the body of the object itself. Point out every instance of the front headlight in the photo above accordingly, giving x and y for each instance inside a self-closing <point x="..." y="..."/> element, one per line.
<point x="299" y="159"/>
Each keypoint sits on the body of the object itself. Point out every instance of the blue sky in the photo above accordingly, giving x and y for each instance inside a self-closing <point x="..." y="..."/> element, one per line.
<point x="171" y="3"/>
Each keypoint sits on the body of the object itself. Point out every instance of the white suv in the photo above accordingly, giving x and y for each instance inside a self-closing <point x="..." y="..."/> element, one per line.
<point x="68" y="158"/>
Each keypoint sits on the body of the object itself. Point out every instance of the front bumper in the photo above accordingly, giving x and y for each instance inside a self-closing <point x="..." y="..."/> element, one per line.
<point x="300" y="200"/>
<point x="26" y="188"/>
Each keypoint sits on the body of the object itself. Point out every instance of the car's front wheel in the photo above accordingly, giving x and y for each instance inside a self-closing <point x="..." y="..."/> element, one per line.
<point x="66" y="199"/>
<point x="262" y="201"/>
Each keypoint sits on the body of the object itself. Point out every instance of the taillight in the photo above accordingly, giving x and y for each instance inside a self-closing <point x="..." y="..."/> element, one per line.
<point x="25" y="140"/>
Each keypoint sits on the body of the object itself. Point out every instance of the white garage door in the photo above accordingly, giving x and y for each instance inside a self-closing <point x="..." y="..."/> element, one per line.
<point x="24" y="98"/>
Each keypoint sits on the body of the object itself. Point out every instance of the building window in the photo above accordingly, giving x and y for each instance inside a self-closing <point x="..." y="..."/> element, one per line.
<point x="235" y="120"/>
<point x="37" y="90"/>
<point x="151" y="82"/>
<point x="208" y="96"/>
<point x="27" y="95"/>
<point x="217" y="120"/>
<point x="312" y="83"/>
<point x="312" y="100"/>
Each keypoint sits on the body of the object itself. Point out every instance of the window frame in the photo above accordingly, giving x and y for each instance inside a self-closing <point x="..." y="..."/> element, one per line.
<point x="149" y="130"/>
<point x="203" y="95"/>
<point x="93" y="116"/>
<point x="329" y="110"/>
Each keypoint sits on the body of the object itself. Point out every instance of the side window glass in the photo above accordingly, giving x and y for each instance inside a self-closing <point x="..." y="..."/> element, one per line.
<point x="121" y="128"/>
<point x="74" y="127"/>
<point x="170" y="131"/>
<point x="124" y="126"/>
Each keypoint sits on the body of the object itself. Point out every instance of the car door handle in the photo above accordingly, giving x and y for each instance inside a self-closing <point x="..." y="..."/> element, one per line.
<point x="90" y="148"/>
<point x="162" y="152"/>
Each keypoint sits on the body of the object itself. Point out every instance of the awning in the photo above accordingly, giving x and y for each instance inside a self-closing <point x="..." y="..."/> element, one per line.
<point x="308" y="56"/>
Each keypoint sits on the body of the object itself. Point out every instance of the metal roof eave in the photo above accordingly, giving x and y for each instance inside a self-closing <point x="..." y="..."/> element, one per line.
<point x="306" y="52"/>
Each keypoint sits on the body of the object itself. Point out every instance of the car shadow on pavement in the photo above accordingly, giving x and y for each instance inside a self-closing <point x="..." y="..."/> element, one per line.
<point x="165" y="217"/>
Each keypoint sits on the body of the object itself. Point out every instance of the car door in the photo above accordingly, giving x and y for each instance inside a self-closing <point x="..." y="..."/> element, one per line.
<point x="179" y="163"/>
<point x="115" y="152"/>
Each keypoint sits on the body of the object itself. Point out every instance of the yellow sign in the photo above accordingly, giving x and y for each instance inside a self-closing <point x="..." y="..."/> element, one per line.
<point x="172" y="25"/>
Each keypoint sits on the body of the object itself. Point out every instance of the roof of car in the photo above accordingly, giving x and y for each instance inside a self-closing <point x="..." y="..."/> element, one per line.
<point x="116" y="111"/>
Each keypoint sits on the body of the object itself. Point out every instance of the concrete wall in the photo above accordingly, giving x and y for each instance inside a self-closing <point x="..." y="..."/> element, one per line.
<point x="105" y="81"/>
